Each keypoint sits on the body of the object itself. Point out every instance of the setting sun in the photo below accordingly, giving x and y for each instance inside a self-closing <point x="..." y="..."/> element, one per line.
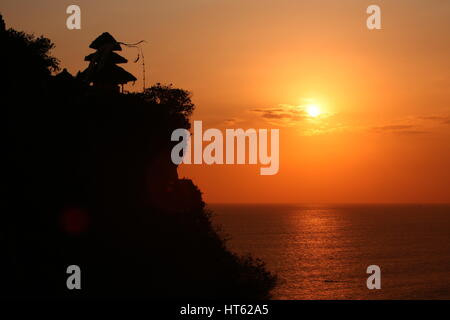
<point x="313" y="110"/>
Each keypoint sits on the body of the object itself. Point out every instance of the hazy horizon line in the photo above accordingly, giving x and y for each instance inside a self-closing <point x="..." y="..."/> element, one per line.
<point x="329" y="203"/>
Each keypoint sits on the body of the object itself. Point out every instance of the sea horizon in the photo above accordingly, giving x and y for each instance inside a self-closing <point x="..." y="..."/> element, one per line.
<point x="323" y="251"/>
<point x="327" y="203"/>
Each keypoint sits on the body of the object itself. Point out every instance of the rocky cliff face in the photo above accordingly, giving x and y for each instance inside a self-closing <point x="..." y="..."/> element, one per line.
<point x="89" y="181"/>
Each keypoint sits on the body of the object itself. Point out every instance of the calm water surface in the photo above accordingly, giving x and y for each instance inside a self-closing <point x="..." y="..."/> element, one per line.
<point x="322" y="252"/>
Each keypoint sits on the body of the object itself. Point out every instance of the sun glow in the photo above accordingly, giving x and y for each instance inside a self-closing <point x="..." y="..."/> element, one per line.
<point x="313" y="110"/>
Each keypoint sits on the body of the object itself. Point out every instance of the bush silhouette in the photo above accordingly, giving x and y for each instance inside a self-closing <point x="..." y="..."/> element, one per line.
<point x="89" y="181"/>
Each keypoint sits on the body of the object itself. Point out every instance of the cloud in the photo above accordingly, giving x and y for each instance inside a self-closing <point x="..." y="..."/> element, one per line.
<point x="327" y="128"/>
<point x="443" y="119"/>
<point x="282" y="115"/>
<point x="230" y="122"/>
<point x="399" y="129"/>
<point x="414" y="125"/>
<point x="289" y="116"/>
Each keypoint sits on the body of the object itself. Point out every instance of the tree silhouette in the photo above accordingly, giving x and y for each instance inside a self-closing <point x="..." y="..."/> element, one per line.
<point x="175" y="100"/>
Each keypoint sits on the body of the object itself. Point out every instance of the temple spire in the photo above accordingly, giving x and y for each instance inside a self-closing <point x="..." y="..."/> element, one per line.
<point x="103" y="71"/>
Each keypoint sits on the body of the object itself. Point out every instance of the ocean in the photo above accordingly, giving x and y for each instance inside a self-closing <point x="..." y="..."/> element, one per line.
<point x="323" y="251"/>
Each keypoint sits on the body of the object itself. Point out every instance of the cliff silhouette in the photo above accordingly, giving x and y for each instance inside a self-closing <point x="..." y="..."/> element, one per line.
<point x="89" y="181"/>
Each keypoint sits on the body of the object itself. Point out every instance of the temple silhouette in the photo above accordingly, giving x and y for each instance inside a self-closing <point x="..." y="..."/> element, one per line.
<point x="103" y="71"/>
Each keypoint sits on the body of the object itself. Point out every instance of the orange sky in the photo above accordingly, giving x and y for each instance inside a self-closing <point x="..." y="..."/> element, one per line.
<point x="384" y="134"/>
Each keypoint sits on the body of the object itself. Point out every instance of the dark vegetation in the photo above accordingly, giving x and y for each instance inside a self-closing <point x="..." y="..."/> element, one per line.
<point x="88" y="181"/>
